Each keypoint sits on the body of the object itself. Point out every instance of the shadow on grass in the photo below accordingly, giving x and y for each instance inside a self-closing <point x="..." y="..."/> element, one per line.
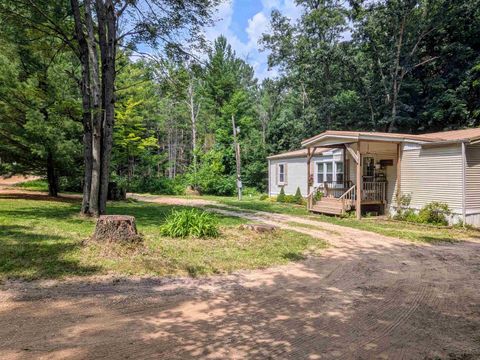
<point x="31" y="255"/>
<point x="294" y="256"/>
<point x="39" y="197"/>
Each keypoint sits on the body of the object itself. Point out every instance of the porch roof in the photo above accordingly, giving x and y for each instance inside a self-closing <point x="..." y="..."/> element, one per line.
<point x="301" y="153"/>
<point x="333" y="137"/>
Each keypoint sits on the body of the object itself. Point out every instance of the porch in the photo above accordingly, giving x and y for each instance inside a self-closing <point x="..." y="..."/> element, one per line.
<point x="364" y="176"/>
<point x="337" y="199"/>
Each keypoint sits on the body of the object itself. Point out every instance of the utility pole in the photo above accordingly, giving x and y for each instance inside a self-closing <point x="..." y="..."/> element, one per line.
<point x="237" y="158"/>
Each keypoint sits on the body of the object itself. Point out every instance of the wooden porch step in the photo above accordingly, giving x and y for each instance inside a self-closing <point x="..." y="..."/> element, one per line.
<point x="323" y="209"/>
<point x="329" y="206"/>
<point x="328" y="200"/>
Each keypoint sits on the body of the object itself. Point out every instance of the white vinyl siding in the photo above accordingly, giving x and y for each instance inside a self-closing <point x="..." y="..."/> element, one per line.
<point x="296" y="172"/>
<point x="295" y="176"/>
<point x="433" y="174"/>
<point x="472" y="177"/>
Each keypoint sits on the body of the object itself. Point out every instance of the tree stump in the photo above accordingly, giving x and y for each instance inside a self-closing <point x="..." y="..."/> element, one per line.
<point x="116" y="228"/>
<point x="260" y="228"/>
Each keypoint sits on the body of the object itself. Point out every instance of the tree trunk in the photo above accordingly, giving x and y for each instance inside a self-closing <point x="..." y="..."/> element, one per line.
<point x="52" y="176"/>
<point x="396" y="77"/>
<point x="194" y="110"/>
<point x="107" y="41"/>
<point x="86" y="106"/>
<point x="97" y="112"/>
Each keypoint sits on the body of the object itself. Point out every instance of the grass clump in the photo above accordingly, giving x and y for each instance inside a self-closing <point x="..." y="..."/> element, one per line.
<point x="190" y="222"/>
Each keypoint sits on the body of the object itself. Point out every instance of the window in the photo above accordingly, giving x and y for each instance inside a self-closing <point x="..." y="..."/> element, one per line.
<point x="281" y="173"/>
<point x="339" y="171"/>
<point x="320" y="178"/>
<point x="329" y="171"/>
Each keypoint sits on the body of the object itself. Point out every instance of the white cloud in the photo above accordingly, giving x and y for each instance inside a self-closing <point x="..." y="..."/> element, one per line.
<point x="256" y="26"/>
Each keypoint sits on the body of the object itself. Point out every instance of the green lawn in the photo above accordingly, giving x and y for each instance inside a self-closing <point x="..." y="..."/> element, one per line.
<point x="400" y="230"/>
<point x="48" y="239"/>
<point x="403" y="230"/>
<point x="35" y="185"/>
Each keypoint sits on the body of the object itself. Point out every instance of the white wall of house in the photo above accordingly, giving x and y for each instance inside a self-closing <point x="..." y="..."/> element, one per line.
<point x="296" y="172"/>
<point x="472" y="184"/>
<point x="433" y="174"/>
<point x="295" y="176"/>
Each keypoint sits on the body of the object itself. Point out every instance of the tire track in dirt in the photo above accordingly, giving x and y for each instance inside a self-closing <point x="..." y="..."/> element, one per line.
<point x="366" y="296"/>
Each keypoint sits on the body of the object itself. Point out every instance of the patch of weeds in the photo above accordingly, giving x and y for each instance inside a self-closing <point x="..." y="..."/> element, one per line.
<point x="191" y="222"/>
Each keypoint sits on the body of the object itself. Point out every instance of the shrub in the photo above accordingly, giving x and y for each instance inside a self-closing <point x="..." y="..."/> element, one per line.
<point x="191" y="222"/>
<point x="409" y="215"/>
<point x="403" y="211"/>
<point x="250" y="191"/>
<point x="157" y="185"/>
<point x="263" y="197"/>
<point x="298" y="197"/>
<point x="434" y="213"/>
<point x="281" y="196"/>
<point x="318" y="196"/>
<point x="289" y="199"/>
<point x="210" y="176"/>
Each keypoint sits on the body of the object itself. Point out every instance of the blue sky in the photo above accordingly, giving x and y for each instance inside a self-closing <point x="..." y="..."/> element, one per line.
<point x="242" y="22"/>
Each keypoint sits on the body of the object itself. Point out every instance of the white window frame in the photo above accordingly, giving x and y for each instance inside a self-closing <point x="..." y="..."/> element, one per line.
<point x="334" y="170"/>
<point x="284" y="182"/>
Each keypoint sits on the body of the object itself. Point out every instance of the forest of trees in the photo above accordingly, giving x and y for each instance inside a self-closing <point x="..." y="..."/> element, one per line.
<point x="81" y="99"/>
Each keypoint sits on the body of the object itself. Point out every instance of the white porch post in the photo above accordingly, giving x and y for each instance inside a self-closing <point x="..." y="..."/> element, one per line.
<point x="309" y="158"/>
<point x="399" y="174"/>
<point x="358" y="205"/>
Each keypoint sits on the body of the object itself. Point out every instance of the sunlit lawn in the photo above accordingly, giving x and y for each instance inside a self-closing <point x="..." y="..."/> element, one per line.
<point x="47" y="239"/>
<point x="403" y="230"/>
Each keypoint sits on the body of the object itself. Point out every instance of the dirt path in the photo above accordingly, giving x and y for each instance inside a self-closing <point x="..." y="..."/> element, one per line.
<point x="365" y="297"/>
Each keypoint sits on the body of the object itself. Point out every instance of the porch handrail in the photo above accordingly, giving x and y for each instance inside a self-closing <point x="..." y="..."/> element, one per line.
<point x="373" y="191"/>
<point x="350" y="193"/>
<point x="349" y="196"/>
<point x="310" y="197"/>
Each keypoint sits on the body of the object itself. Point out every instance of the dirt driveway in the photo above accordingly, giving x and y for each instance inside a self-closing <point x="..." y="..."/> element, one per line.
<point x="366" y="297"/>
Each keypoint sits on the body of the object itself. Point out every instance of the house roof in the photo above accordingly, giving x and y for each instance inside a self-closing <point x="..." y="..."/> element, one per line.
<point x="297" y="153"/>
<point x="456" y="135"/>
<point x="431" y="138"/>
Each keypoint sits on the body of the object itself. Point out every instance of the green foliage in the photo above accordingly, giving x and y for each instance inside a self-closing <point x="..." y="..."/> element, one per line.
<point x="434" y="213"/>
<point x="263" y="197"/>
<point x="318" y="196"/>
<point x="250" y="191"/>
<point x="289" y="199"/>
<point x="157" y="185"/>
<point x="210" y="178"/>
<point x="192" y="222"/>
<point x="281" y="197"/>
<point x="40" y="116"/>
<point x="401" y="70"/>
<point x="298" y="198"/>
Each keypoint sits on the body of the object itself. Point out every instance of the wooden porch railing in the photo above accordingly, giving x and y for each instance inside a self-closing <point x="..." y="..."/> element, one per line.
<point x="373" y="191"/>
<point x="335" y="189"/>
<point x="311" y="197"/>
<point x="348" y="198"/>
